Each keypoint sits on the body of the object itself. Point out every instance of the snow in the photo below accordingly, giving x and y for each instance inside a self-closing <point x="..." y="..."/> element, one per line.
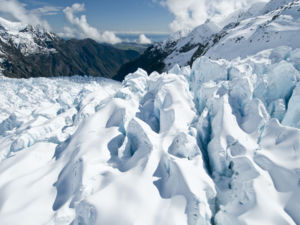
<point x="244" y="33"/>
<point x="199" y="35"/>
<point x="218" y="143"/>
<point x="179" y="58"/>
<point x="276" y="26"/>
<point x="28" y="39"/>
<point x="275" y="4"/>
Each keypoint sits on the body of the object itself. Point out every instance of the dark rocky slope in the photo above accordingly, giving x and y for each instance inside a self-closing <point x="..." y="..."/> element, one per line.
<point x="27" y="51"/>
<point x="72" y="57"/>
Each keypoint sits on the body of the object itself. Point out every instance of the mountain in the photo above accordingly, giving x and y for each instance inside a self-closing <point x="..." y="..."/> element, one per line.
<point x="277" y="25"/>
<point x="27" y="51"/>
<point x="246" y="32"/>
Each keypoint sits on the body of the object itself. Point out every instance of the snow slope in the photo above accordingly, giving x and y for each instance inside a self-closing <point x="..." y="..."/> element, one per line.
<point x="241" y="34"/>
<point x="279" y="24"/>
<point x="218" y="143"/>
<point x="186" y="46"/>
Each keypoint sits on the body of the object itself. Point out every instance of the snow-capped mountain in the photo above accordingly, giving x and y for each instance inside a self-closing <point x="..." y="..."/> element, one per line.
<point x="26" y="38"/>
<point x="245" y="33"/>
<point x="32" y="51"/>
<point x="279" y="26"/>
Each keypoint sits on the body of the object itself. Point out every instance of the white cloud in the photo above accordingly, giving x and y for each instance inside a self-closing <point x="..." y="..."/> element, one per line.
<point x="110" y="37"/>
<point x="68" y="32"/>
<point x="191" y="13"/>
<point x="46" y="10"/>
<point x="143" y="39"/>
<point x="83" y="29"/>
<point x="18" y="11"/>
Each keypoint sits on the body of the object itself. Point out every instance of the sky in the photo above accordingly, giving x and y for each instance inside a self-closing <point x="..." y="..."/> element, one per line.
<point x="116" y="15"/>
<point x="103" y="20"/>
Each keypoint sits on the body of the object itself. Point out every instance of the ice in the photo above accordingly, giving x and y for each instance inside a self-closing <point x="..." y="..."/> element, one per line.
<point x="294" y="57"/>
<point x="217" y="143"/>
<point x="40" y="114"/>
<point x="292" y="116"/>
<point x="9" y="124"/>
<point x="184" y="146"/>
<point x="206" y="70"/>
<point x="281" y="81"/>
<point x="255" y="116"/>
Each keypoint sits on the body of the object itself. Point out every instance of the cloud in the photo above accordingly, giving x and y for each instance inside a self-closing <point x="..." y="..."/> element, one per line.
<point x="83" y="29"/>
<point x="68" y="32"/>
<point x="18" y="11"/>
<point x="46" y="10"/>
<point x="143" y="39"/>
<point x="191" y="13"/>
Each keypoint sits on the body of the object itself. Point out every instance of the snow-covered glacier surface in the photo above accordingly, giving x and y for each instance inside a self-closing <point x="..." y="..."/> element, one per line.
<point x="218" y="143"/>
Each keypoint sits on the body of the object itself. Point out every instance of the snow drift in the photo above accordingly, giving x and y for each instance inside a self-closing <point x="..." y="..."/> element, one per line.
<point x="218" y="143"/>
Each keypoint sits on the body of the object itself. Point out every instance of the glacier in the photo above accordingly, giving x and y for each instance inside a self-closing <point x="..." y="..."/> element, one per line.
<point x="217" y="143"/>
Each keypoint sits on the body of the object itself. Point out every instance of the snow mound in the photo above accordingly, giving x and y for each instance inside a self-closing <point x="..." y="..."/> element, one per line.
<point x="218" y="143"/>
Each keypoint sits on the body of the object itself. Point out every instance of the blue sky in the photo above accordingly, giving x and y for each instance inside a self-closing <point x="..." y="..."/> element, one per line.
<point x="116" y="15"/>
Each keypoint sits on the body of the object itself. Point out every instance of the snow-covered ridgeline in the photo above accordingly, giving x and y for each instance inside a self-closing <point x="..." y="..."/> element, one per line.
<point x="278" y="24"/>
<point x="28" y="39"/>
<point x="218" y="143"/>
<point x="241" y="34"/>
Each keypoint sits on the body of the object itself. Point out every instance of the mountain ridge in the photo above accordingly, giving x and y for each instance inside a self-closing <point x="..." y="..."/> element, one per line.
<point x="31" y="51"/>
<point x="234" y="40"/>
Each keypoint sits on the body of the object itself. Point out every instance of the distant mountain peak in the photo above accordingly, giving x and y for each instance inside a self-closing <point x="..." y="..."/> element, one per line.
<point x="26" y="38"/>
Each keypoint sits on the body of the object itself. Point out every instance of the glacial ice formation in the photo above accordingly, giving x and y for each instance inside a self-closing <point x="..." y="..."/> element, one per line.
<point x="218" y="143"/>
